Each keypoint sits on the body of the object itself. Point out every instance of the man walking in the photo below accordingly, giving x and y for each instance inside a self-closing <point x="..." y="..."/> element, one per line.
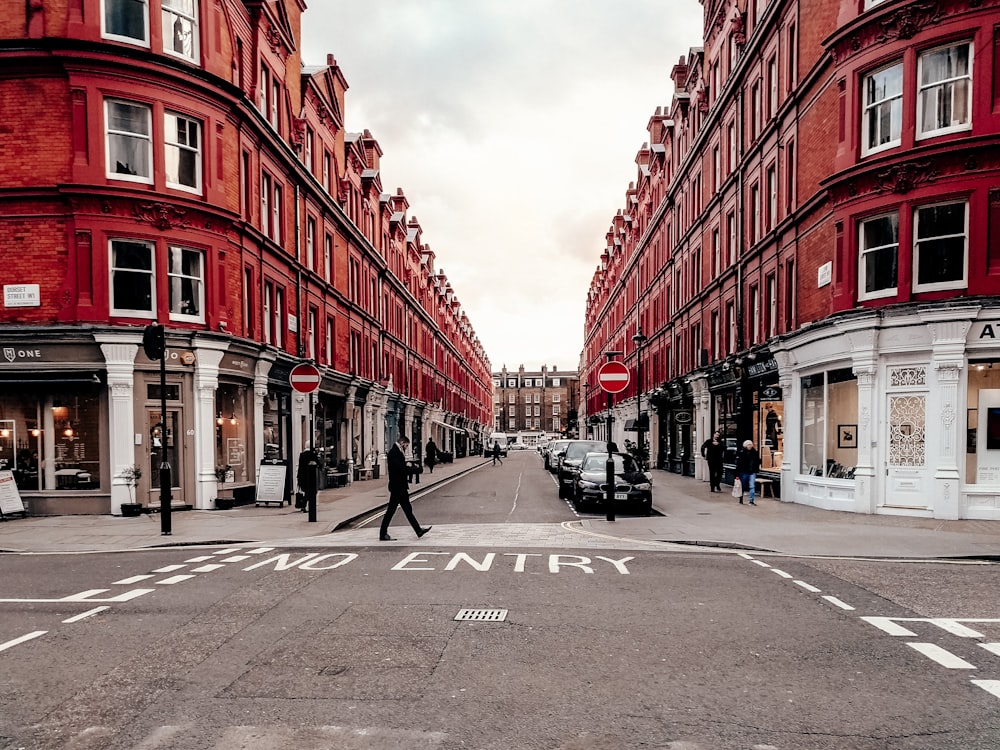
<point x="496" y="454"/>
<point x="399" y="490"/>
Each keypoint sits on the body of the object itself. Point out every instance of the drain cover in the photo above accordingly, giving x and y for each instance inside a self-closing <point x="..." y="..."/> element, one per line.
<point x="482" y="615"/>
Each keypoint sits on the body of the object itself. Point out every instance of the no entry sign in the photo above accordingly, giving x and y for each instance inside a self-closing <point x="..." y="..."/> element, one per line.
<point x="613" y="377"/>
<point x="304" y="378"/>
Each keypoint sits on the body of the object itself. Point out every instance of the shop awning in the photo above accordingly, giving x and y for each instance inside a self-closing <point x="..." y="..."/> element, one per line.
<point x="448" y="426"/>
<point x="633" y="425"/>
<point x="50" y="377"/>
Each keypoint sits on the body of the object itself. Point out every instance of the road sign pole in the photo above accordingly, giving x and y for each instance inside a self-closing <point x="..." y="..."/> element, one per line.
<point x="315" y="469"/>
<point x="619" y="385"/>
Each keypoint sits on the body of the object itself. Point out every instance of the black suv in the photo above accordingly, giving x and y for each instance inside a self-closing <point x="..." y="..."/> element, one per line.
<point x="569" y="467"/>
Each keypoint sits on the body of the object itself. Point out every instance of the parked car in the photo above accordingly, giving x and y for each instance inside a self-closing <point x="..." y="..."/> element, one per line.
<point x="633" y="487"/>
<point x="552" y="453"/>
<point x="569" y="465"/>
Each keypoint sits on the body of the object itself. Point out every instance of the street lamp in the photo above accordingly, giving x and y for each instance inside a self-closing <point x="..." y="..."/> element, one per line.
<point x="639" y="340"/>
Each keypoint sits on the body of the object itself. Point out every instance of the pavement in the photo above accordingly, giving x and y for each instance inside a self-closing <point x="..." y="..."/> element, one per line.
<point x="692" y="517"/>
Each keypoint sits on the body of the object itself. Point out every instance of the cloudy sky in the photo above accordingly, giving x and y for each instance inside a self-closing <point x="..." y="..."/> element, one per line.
<point x="512" y="127"/>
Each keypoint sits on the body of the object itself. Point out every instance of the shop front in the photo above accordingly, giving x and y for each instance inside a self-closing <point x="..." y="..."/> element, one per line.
<point x="676" y="428"/>
<point x="762" y="416"/>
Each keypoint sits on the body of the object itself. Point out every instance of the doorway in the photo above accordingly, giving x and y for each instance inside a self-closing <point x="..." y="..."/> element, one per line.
<point x="165" y="447"/>
<point x="906" y="484"/>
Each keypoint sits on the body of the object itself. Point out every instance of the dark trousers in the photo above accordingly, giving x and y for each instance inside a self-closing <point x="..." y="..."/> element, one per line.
<point x="715" y="476"/>
<point x="398" y="500"/>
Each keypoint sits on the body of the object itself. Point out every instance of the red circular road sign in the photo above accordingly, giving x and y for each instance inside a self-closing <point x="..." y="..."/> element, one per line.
<point x="614" y="377"/>
<point x="304" y="378"/>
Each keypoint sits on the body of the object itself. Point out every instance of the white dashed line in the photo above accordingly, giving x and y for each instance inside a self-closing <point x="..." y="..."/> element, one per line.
<point x="259" y="550"/>
<point x="227" y="551"/>
<point x="236" y="558"/>
<point x="168" y="568"/>
<point x="22" y="639"/>
<point x="174" y="579"/>
<point x="887" y="625"/>
<point x="84" y="615"/>
<point x="990" y="686"/>
<point x="744" y="555"/>
<point x="993" y="648"/>
<point x="781" y="573"/>
<point x="206" y="568"/>
<point x="837" y="603"/>
<point x="761" y="563"/>
<point x="807" y="586"/>
<point x="130" y="581"/>
<point x="200" y="558"/>
<point x="941" y="656"/>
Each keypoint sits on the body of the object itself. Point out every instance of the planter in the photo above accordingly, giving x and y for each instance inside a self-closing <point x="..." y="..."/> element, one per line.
<point x="131" y="510"/>
<point x="224" y="503"/>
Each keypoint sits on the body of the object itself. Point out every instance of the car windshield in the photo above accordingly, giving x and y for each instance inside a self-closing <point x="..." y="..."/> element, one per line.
<point x="576" y="451"/>
<point x="598" y="462"/>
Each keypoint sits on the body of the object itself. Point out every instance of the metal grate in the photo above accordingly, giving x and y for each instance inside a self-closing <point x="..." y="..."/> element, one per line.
<point x="482" y="615"/>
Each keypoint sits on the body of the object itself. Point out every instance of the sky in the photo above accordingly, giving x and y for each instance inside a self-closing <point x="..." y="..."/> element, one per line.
<point x="512" y="127"/>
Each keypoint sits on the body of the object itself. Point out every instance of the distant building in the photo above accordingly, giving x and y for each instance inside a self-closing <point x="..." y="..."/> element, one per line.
<point x="539" y="401"/>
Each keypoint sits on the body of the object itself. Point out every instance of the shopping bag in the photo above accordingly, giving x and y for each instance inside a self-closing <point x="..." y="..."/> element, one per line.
<point x="737" y="487"/>
<point x="300" y="499"/>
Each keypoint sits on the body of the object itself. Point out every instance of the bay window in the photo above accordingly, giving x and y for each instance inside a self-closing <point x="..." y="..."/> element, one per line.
<point x="133" y="291"/>
<point x="126" y="20"/>
<point x="830" y="424"/>
<point x="182" y="152"/>
<point x="877" y="256"/>
<point x="186" y="274"/>
<point x="883" y="109"/>
<point x="944" y="92"/>
<point x="940" y="246"/>
<point x="129" y="141"/>
<point x="180" y="28"/>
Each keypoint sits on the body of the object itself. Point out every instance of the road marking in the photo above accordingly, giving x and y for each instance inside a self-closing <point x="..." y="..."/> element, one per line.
<point x="236" y="558"/>
<point x="22" y="639"/>
<point x="761" y="563"/>
<point x="955" y="627"/>
<point x="807" y="586"/>
<point x="781" y="573"/>
<point x="259" y="550"/>
<point x="993" y="648"/>
<point x="130" y="581"/>
<point x="174" y="579"/>
<point x="942" y="656"/>
<point x="990" y="686"/>
<point x="744" y="555"/>
<point x="232" y="551"/>
<point x="84" y="615"/>
<point x="168" y="568"/>
<point x="888" y="625"/>
<point x="837" y="603"/>
<point x="200" y="558"/>
<point x="206" y="568"/>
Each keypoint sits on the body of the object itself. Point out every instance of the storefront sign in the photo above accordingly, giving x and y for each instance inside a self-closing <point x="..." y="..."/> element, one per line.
<point x="682" y="417"/>
<point x="771" y="393"/>
<point x="33" y="354"/>
<point x="271" y="482"/>
<point x="987" y="331"/>
<point x="21" y="295"/>
<point x="10" y="499"/>
<point x="764" y="366"/>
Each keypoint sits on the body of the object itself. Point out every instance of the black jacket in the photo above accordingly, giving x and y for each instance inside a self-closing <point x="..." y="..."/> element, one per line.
<point x="396" y="466"/>
<point x="747" y="461"/>
<point x="713" y="452"/>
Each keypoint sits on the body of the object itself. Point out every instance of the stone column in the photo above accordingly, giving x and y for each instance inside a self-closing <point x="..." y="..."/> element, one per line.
<point x="702" y="425"/>
<point x="206" y="381"/>
<point x="119" y="355"/>
<point x="259" y="395"/>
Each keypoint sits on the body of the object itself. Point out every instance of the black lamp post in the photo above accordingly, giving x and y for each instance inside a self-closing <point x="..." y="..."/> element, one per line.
<point x="639" y="340"/>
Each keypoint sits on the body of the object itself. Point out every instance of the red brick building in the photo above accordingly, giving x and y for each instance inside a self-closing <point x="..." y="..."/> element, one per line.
<point x="811" y="249"/>
<point x="190" y="170"/>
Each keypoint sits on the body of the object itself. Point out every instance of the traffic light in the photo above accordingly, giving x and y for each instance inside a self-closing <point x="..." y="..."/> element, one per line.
<point x="153" y="341"/>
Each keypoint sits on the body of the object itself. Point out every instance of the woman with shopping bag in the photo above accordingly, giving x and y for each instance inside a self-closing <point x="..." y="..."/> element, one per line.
<point x="747" y="466"/>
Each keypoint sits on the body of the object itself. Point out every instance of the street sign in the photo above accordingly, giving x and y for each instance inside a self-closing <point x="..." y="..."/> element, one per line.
<point x="304" y="378"/>
<point x="613" y="377"/>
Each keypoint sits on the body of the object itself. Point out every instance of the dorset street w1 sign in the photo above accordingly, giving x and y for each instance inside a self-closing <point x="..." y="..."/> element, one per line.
<point x="613" y="377"/>
<point x="304" y="378"/>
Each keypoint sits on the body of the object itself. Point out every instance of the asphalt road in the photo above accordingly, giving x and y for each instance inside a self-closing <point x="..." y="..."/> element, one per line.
<point x="357" y="646"/>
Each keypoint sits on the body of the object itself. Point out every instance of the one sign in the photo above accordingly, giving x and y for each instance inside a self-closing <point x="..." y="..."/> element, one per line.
<point x="304" y="378"/>
<point x="21" y="295"/>
<point x="613" y="377"/>
<point x="10" y="499"/>
<point x="271" y="482"/>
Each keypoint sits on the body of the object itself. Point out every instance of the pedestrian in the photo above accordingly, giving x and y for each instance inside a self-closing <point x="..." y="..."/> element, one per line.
<point x="712" y="451"/>
<point x="496" y="454"/>
<point x="399" y="490"/>
<point x="747" y="466"/>
<point x="430" y="454"/>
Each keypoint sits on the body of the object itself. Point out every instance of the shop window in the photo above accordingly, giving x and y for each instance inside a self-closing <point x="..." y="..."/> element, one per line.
<point x="132" y="276"/>
<point x="982" y="438"/>
<point x="877" y="256"/>
<point x="129" y="141"/>
<point x="51" y="441"/>
<point x="944" y="92"/>
<point x="882" y="119"/>
<point x="186" y="273"/>
<point x="940" y="247"/>
<point x="830" y="424"/>
<point x="232" y="462"/>
<point x="276" y="409"/>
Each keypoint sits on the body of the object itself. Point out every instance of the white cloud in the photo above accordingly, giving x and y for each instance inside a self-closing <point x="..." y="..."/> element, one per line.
<point x="512" y="128"/>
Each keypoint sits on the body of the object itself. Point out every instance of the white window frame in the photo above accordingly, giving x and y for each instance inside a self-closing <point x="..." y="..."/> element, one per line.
<point x="957" y="284"/>
<point x="178" y="277"/>
<point x="967" y="125"/>
<point x="127" y="39"/>
<point x="538" y="397"/>
<point x="556" y="398"/>
<point x="276" y="213"/>
<point x="310" y="243"/>
<point x="870" y="109"/>
<point x="268" y="313"/>
<point x="328" y="257"/>
<point x="171" y="15"/>
<point x="510" y="398"/>
<point x="122" y="312"/>
<point x="329" y="341"/>
<point x="863" y="251"/>
<point x="264" y="86"/>
<point x="175" y="118"/>
<point x="555" y="382"/>
<point x="147" y="137"/>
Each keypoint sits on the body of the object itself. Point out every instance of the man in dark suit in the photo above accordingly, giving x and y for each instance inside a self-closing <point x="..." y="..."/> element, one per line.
<point x="399" y="490"/>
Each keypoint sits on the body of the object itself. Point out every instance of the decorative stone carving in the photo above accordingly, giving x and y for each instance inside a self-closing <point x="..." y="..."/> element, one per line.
<point x="163" y="216"/>
<point x="907" y="376"/>
<point x="948" y="372"/>
<point x="866" y="375"/>
<point x="902" y="178"/>
<point x="909" y="20"/>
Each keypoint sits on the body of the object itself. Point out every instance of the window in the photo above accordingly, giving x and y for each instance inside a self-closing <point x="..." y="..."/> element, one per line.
<point x="273" y="117"/>
<point x="940" y="246"/>
<point x="753" y="324"/>
<point x="771" y="327"/>
<point x="754" y="213"/>
<point x="556" y="409"/>
<point x="328" y="257"/>
<point x="186" y="274"/>
<point x="772" y="87"/>
<point x="556" y="398"/>
<point x="755" y="111"/>
<point x="180" y="28"/>
<point x="133" y="292"/>
<point x="245" y="186"/>
<point x="328" y="343"/>
<point x="310" y="243"/>
<point x="248" y="311"/>
<point x="265" y="203"/>
<point x="279" y="317"/>
<point x="182" y="152"/>
<point x="731" y="328"/>
<point x="268" y="313"/>
<point x="326" y="171"/>
<point x="882" y="119"/>
<point x="129" y="141"/>
<point x="829" y="406"/>
<point x="716" y="169"/>
<point x="878" y="251"/>
<point x="510" y="411"/>
<point x="731" y="140"/>
<point x="731" y="231"/>
<point x="510" y="398"/>
<point x="276" y="214"/>
<point x="307" y="149"/>
<point x="126" y="20"/>
<point x="538" y="411"/>
<point x="264" y="88"/>
<point x="772" y="196"/>
<point x="527" y="398"/>
<point x="313" y="324"/>
<point x="716" y="253"/>
<point x="944" y="94"/>
<point x="555" y="382"/>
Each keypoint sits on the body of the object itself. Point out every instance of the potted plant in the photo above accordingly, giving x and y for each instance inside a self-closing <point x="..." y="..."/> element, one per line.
<point x="222" y="474"/>
<point x="132" y="474"/>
